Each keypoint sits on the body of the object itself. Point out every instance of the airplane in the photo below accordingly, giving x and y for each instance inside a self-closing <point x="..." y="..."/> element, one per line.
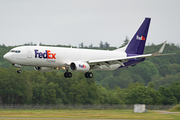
<point x="46" y="59"/>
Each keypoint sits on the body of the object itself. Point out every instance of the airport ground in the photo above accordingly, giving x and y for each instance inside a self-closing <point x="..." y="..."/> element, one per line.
<point x="87" y="114"/>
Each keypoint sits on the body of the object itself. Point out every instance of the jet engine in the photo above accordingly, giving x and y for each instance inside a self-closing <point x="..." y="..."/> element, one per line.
<point x="79" y="66"/>
<point x="44" y="69"/>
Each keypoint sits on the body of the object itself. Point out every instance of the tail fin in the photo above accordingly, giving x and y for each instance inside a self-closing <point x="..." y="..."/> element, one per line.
<point x="137" y="44"/>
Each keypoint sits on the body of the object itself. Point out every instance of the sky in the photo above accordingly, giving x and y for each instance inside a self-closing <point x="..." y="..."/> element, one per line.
<point x="70" y="22"/>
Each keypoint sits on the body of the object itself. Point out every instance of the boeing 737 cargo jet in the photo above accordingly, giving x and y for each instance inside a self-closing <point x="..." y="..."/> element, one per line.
<point x="83" y="60"/>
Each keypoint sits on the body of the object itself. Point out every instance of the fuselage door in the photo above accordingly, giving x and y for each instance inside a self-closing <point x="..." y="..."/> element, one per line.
<point x="29" y="54"/>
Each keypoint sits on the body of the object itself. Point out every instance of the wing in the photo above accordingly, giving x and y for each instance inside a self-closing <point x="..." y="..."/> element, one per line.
<point x="120" y="61"/>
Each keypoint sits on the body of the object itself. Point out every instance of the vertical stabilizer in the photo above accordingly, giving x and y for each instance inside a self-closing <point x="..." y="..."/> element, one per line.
<point x="137" y="44"/>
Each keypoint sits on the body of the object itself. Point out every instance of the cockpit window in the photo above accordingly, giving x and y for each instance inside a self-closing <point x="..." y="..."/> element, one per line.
<point x="16" y="51"/>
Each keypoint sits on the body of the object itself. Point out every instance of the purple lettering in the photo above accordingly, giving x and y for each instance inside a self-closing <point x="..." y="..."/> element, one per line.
<point x="40" y="55"/>
<point x="45" y="55"/>
<point x="36" y="53"/>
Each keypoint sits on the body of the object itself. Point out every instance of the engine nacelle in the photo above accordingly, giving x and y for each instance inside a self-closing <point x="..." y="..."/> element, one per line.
<point x="79" y="66"/>
<point x="44" y="69"/>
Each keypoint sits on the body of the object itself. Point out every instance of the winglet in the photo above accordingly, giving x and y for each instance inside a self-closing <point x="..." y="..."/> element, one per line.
<point x="38" y="44"/>
<point x="162" y="48"/>
<point x="158" y="53"/>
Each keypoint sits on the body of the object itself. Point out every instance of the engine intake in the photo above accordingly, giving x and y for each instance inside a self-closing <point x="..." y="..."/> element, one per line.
<point x="79" y="66"/>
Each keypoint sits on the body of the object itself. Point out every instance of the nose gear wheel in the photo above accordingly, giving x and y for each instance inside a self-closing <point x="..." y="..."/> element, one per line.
<point x="19" y="71"/>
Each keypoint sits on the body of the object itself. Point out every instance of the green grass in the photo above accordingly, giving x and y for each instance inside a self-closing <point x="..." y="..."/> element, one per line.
<point x="175" y="108"/>
<point x="96" y="114"/>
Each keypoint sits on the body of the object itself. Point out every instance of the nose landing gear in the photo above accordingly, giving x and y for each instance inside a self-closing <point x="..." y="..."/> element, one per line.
<point x="19" y="71"/>
<point x="18" y="66"/>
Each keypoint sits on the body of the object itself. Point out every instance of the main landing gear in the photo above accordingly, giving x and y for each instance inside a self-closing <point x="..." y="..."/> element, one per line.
<point x="67" y="74"/>
<point x="88" y="74"/>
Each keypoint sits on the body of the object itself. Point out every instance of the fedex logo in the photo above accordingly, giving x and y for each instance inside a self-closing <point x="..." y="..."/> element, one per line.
<point x="82" y="66"/>
<point x="46" y="55"/>
<point x="140" y="38"/>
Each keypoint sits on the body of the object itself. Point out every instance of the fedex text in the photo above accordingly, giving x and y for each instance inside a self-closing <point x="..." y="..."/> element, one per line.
<point x="46" y="55"/>
<point x="82" y="66"/>
<point x="140" y="38"/>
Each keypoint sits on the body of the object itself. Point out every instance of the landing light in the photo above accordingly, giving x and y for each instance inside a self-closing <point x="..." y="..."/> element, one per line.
<point x="63" y="68"/>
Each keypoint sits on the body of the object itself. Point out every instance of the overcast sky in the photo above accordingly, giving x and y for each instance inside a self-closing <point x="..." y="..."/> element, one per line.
<point x="70" y="22"/>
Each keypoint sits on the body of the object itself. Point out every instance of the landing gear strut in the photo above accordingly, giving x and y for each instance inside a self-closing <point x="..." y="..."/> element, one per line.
<point x="18" y="66"/>
<point x="88" y="74"/>
<point x="67" y="74"/>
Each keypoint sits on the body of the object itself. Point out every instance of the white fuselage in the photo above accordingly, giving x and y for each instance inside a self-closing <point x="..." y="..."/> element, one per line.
<point x="59" y="56"/>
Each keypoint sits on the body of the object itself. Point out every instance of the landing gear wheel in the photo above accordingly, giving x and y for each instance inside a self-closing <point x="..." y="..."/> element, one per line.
<point x="67" y="74"/>
<point x="88" y="74"/>
<point x="19" y="71"/>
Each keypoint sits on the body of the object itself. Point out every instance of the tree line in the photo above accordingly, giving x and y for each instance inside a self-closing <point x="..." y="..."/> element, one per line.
<point x="34" y="87"/>
<point x="154" y="81"/>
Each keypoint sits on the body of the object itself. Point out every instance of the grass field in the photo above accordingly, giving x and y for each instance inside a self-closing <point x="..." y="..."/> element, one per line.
<point x="175" y="109"/>
<point x="94" y="114"/>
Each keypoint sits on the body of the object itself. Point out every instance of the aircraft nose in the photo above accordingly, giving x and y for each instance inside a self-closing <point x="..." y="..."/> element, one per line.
<point x="7" y="56"/>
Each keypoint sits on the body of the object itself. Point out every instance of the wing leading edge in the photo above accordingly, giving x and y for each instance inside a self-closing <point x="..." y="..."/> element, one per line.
<point x="122" y="60"/>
